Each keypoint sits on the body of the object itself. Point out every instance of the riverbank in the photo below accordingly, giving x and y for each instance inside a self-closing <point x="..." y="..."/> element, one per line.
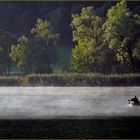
<point x="73" y="79"/>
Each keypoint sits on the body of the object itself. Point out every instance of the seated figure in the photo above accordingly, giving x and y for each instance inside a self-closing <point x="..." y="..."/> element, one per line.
<point x="135" y="100"/>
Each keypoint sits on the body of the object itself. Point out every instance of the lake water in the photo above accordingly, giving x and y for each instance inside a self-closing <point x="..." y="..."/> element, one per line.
<point x="67" y="102"/>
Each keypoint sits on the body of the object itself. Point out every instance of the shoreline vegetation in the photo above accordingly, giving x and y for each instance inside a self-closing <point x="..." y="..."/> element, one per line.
<point x="72" y="79"/>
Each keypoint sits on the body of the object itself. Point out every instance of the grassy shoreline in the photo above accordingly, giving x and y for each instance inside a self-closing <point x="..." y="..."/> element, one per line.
<point x="72" y="79"/>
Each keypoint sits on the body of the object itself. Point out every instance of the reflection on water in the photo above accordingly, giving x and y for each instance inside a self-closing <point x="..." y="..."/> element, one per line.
<point x="54" y="102"/>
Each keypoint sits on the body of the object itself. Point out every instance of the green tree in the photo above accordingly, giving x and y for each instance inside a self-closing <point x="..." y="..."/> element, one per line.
<point x="44" y="31"/>
<point x="122" y="33"/>
<point x="37" y="54"/>
<point x="19" y="52"/>
<point x="86" y="28"/>
<point x="6" y="38"/>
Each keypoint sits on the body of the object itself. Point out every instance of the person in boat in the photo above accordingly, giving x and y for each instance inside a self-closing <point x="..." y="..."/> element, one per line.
<point x="135" y="100"/>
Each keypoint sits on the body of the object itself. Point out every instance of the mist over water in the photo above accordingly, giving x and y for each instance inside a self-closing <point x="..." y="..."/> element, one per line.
<point x="67" y="102"/>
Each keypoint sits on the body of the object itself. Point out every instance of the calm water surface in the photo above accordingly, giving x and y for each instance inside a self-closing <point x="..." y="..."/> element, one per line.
<point x="66" y="102"/>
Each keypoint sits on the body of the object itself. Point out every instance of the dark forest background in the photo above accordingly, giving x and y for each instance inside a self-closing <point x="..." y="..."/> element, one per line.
<point x="19" y="17"/>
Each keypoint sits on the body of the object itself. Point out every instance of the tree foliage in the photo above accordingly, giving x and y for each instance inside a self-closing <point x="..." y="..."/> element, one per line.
<point x="122" y="32"/>
<point x="37" y="54"/>
<point x="6" y="39"/>
<point x="87" y="34"/>
<point x="19" y="51"/>
<point x="43" y="30"/>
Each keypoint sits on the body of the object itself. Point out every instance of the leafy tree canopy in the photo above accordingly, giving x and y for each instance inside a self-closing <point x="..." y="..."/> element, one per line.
<point x="87" y="33"/>
<point x="43" y="30"/>
<point x="122" y="32"/>
<point x="6" y="39"/>
<point x="37" y="54"/>
<point x="18" y="51"/>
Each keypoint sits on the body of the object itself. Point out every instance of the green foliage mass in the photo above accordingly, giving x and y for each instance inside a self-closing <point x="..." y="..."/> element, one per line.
<point x="6" y="39"/>
<point x="122" y="32"/>
<point x="19" y="51"/>
<point x="43" y="30"/>
<point x="87" y="33"/>
<point x="36" y="55"/>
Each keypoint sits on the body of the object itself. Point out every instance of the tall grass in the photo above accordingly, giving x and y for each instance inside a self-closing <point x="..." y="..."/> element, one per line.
<point x="12" y="81"/>
<point x="72" y="79"/>
<point x="75" y="79"/>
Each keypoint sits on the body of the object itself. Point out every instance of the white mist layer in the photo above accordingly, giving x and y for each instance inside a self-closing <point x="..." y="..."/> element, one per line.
<point x="54" y="102"/>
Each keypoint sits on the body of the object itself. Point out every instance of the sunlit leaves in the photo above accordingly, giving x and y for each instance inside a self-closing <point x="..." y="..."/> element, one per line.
<point x="87" y="34"/>
<point x="121" y="30"/>
<point x="6" y="39"/>
<point x="43" y="30"/>
<point x="18" y="51"/>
